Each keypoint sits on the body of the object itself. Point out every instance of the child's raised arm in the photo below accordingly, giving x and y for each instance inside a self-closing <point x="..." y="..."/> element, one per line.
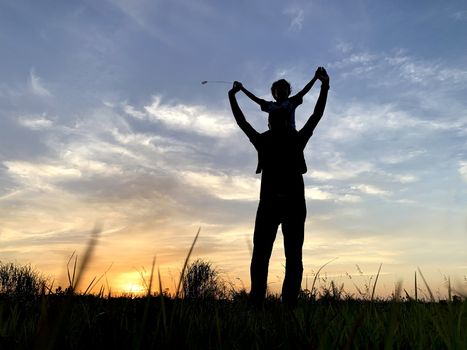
<point x="306" y="88"/>
<point x="258" y="100"/>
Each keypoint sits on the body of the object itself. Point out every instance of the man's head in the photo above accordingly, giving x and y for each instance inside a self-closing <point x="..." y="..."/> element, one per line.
<point x="281" y="89"/>
<point x="278" y="120"/>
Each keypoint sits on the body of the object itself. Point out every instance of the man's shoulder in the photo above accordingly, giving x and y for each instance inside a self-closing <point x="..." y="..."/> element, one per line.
<point x="291" y="134"/>
<point x="259" y="137"/>
<point x="266" y="134"/>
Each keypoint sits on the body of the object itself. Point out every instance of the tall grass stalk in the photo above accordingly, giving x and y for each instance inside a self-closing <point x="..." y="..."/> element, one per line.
<point x="161" y="297"/>
<point x="87" y="254"/>
<point x="416" y="287"/>
<point x="317" y="274"/>
<point x="95" y="281"/>
<point x="376" y="281"/>
<point x="449" y="289"/>
<point x="432" y="298"/>
<point x="182" y="274"/>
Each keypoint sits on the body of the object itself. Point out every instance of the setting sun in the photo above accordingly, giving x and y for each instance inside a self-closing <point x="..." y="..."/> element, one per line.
<point x="129" y="283"/>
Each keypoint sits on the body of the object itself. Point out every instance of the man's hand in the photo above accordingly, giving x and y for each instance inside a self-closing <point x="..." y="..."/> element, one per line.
<point x="237" y="86"/>
<point x="322" y="75"/>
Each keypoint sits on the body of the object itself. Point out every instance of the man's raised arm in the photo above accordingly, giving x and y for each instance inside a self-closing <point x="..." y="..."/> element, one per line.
<point x="238" y="114"/>
<point x="318" y="112"/>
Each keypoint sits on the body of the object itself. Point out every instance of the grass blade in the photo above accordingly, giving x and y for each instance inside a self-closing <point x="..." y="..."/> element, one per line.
<point x="376" y="281"/>
<point x="432" y="298"/>
<point x="182" y="274"/>
<point x="87" y="255"/>
<point x="317" y="273"/>
<point x="151" y="276"/>
<point x="416" y="287"/>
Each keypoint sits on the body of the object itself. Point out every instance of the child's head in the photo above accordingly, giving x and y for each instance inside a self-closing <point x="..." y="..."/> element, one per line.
<point x="280" y="89"/>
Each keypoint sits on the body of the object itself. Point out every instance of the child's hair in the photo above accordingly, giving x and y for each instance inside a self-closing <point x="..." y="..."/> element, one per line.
<point x="280" y="83"/>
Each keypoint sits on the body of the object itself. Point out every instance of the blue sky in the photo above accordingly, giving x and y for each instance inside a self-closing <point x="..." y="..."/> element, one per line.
<point x="103" y="118"/>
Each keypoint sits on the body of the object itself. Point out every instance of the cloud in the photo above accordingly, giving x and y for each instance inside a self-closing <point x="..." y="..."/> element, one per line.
<point x="297" y="17"/>
<point x="337" y="167"/>
<point x="132" y="111"/>
<point x="228" y="187"/>
<point x="397" y="156"/>
<point x="37" y="86"/>
<point x="317" y="193"/>
<point x="189" y="118"/>
<point x="463" y="169"/>
<point x="356" y="61"/>
<point x="389" y="69"/>
<point x="403" y="178"/>
<point x="40" y="175"/>
<point x="35" y="122"/>
<point x="459" y="15"/>
<point x="378" y="121"/>
<point x="425" y="72"/>
<point x="370" y="189"/>
<point x="344" y="47"/>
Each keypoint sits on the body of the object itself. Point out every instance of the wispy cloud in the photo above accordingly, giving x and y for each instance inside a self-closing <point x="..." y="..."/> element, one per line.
<point x="372" y="190"/>
<point x="390" y="68"/>
<point x="397" y="157"/>
<point x="39" y="175"/>
<point x="35" y="122"/>
<point x="229" y="187"/>
<point x="459" y="15"/>
<point x="463" y="169"/>
<point x="36" y="85"/>
<point x="425" y="72"/>
<point x="297" y="17"/>
<point x="190" y="118"/>
<point x="344" y="47"/>
<point x="328" y="193"/>
<point x="337" y="166"/>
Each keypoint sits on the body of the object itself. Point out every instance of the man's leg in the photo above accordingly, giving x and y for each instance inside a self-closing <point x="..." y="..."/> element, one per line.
<point x="267" y="222"/>
<point x="293" y="228"/>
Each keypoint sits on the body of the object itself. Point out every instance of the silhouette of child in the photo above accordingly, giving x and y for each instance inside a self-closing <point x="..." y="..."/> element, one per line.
<point x="281" y="90"/>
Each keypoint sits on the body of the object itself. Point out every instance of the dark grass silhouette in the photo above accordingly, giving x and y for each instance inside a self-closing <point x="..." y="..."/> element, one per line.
<point x="202" y="281"/>
<point x="20" y="281"/>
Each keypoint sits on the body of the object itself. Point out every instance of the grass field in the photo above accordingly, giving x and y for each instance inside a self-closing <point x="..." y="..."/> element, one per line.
<point x="204" y="313"/>
<point x="60" y="321"/>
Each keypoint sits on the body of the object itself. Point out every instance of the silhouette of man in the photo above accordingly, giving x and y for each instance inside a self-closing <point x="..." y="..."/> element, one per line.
<point x="282" y="194"/>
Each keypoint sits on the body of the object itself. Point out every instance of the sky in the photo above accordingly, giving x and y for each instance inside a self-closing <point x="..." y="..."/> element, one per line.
<point x="104" y="121"/>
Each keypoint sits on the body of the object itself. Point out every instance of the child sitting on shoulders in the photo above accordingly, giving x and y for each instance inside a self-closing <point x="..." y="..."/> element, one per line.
<point x="281" y="90"/>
